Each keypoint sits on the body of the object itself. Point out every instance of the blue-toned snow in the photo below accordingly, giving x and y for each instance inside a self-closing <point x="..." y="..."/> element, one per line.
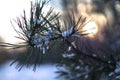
<point x="44" y="72"/>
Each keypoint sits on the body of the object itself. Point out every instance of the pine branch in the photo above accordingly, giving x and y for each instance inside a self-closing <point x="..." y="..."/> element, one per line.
<point x="80" y="53"/>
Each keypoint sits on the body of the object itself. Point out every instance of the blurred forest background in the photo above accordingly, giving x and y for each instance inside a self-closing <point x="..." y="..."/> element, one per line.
<point x="105" y="42"/>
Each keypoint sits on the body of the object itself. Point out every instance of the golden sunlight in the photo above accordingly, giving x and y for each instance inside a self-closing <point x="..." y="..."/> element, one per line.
<point x="90" y="28"/>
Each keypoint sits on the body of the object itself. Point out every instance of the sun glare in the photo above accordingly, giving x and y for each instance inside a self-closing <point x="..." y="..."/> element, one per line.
<point x="90" y="28"/>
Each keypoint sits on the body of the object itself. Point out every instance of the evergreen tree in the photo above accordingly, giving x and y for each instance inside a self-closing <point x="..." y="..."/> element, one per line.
<point x="43" y="30"/>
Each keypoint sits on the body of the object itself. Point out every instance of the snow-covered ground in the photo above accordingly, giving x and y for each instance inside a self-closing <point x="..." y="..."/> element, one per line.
<point x="44" y="72"/>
